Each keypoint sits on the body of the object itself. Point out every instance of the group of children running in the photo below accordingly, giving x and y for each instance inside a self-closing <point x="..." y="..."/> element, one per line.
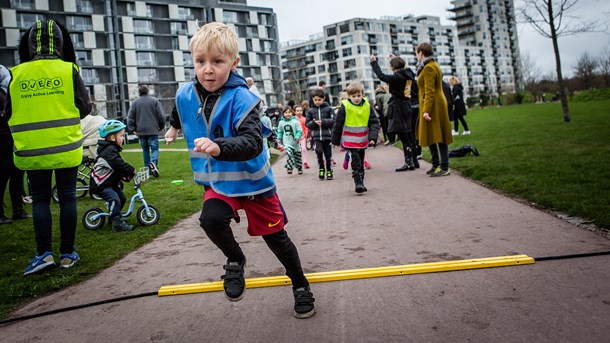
<point x="354" y="126"/>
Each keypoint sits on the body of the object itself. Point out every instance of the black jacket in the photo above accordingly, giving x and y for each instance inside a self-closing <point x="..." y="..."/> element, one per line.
<point x="402" y="113"/>
<point x="109" y="168"/>
<point x="340" y="122"/>
<point x="249" y="141"/>
<point x="459" y="106"/>
<point x="324" y="113"/>
<point x="449" y="98"/>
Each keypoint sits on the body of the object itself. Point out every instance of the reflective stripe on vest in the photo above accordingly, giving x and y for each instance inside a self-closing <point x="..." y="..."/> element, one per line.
<point x="356" y="130"/>
<point x="45" y="121"/>
<point x="231" y="178"/>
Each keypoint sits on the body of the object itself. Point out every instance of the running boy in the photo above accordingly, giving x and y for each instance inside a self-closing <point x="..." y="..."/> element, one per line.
<point x="320" y="120"/>
<point x="223" y="135"/>
<point x="356" y="126"/>
<point x="109" y="170"/>
<point x="289" y="133"/>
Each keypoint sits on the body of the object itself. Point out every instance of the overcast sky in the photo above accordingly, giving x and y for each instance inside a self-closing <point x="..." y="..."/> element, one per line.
<point x="298" y="20"/>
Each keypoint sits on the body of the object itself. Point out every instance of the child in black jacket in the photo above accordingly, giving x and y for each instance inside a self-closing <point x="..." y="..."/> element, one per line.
<point x="109" y="170"/>
<point x="320" y="119"/>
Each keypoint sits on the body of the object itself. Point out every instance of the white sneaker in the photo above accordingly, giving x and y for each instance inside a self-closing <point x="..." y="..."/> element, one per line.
<point x="466" y="133"/>
<point x="454" y="133"/>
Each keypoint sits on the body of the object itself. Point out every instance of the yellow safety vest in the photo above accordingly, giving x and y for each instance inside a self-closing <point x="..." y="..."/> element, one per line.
<point x="45" y="122"/>
<point x="356" y="127"/>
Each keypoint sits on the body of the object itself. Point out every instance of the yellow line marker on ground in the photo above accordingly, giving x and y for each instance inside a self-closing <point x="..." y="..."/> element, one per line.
<point x="352" y="274"/>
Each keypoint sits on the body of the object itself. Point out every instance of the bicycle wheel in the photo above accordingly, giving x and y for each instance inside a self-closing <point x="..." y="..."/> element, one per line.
<point x="89" y="222"/>
<point x="150" y="218"/>
<point x="81" y="190"/>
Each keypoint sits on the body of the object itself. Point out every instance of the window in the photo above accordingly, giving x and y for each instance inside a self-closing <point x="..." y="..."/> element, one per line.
<point x="263" y="19"/>
<point x="79" y="23"/>
<point x="187" y="59"/>
<point x="23" y="4"/>
<point x="146" y="58"/>
<point x="349" y="63"/>
<point x="343" y="28"/>
<point x="347" y="40"/>
<point x="145" y="42"/>
<point x="331" y="31"/>
<point x="252" y="31"/>
<point x="330" y="44"/>
<point x="230" y="17"/>
<point x="347" y="52"/>
<point x="77" y="40"/>
<point x="83" y="58"/>
<point x="321" y="68"/>
<point x="89" y="76"/>
<point x="26" y="20"/>
<point x="84" y="6"/>
<point x="185" y="13"/>
<point x="142" y="26"/>
<point x="178" y="28"/>
<point x="358" y="25"/>
<point x="147" y="75"/>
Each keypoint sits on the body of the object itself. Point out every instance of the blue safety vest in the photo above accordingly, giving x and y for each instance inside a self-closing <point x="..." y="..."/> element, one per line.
<point x="230" y="178"/>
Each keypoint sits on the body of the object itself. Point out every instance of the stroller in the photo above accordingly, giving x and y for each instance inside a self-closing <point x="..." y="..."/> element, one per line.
<point x="89" y="127"/>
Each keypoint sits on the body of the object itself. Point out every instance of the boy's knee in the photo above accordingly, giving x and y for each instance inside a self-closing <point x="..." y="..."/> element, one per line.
<point x="215" y="215"/>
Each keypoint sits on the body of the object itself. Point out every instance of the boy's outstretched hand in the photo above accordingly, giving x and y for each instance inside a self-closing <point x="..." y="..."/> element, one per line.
<point x="206" y="146"/>
<point x="171" y="135"/>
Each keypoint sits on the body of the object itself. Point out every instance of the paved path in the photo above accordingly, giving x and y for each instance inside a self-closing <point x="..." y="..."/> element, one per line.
<point x="404" y="218"/>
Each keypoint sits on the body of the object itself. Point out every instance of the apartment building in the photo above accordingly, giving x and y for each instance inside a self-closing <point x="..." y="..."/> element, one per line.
<point x="121" y="44"/>
<point x="341" y="54"/>
<point x="482" y="49"/>
<point x="488" y="52"/>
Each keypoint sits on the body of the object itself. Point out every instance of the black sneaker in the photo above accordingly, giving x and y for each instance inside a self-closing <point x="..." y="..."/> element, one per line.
<point x="4" y="219"/>
<point x="303" y="302"/>
<point x="360" y="188"/>
<point x="329" y="175"/>
<point x="153" y="169"/>
<point x="21" y="215"/>
<point x="432" y="170"/>
<point x="321" y="173"/>
<point x="234" y="283"/>
<point x="441" y="173"/>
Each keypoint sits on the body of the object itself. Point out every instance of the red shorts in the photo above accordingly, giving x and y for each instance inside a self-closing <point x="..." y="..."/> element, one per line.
<point x="265" y="216"/>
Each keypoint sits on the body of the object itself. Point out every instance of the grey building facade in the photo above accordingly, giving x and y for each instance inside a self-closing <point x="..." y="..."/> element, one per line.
<point x="121" y="44"/>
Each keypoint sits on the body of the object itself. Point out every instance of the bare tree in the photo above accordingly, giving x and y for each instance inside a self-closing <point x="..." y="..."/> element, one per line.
<point x="551" y="19"/>
<point x="530" y="71"/>
<point x="604" y="65"/>
<point x="585" y="69"/>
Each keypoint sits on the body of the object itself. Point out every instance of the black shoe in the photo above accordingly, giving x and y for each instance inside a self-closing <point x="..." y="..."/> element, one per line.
<point x="329" y="175"/>
<point x="234" y="282"/>
<point x="4" y="220"/>
<point x="441" y="173"/>
<point x="407" y="166"/>
<point x="415" y="163"/>
<point x="360" y="188"/>
<point x="119" y="225"/>
<point x="21" y="215"/>
<point x="303" y="302"/>
<point x="432" y="170"/>
<point x="153" y="169"/>
<point x="321" y="173"/>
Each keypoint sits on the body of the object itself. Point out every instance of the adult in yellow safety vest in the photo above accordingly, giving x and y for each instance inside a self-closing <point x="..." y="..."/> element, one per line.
<point x="45" y="102"/>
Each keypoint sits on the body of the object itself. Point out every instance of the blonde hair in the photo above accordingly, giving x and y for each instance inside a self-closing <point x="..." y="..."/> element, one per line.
<point x="216" y="35"/>
<point x="354" y="87"/>
<point x="454" y="80"/>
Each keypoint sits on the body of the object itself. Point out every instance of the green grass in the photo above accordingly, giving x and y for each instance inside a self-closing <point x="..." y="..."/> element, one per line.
<point x="526" y="151"/>
<point x="529" y="152"/>
<point x="102" y="248"/>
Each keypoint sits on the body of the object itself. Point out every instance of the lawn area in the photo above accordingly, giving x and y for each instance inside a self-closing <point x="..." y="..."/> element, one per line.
<point x="526" y="151"/>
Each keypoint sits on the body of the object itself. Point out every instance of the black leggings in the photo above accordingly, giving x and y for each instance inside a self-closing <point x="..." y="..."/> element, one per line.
<point x="408" y="143"/>
<point x="324" y="152"/>
<point x="456" y="124"/>
<point x="215" y="219"/>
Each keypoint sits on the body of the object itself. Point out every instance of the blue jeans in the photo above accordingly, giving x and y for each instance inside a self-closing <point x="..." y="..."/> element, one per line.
<point x="115" y="198"/>
<point x="41" y="183"/>
<point x="150" y="149"/>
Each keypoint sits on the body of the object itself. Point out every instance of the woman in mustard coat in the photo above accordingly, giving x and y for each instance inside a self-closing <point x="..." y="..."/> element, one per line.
<point x="434" y="128"/>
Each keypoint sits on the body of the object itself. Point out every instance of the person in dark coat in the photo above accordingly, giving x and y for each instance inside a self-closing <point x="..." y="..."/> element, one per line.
<point x="449" y="98"/>
<point x="400" y="114"/>
<point x="459" y="106"/>
<point x="320" y="120"/>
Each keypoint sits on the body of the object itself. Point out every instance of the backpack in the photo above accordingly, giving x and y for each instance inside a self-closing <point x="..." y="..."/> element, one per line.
<point x="464" y="151"/>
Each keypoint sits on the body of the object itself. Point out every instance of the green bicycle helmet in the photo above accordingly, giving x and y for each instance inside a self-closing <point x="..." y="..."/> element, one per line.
<point x="111" y="126"/>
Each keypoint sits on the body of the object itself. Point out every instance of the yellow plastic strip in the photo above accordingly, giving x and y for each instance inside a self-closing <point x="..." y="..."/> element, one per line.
<point x="353" y="274"/>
